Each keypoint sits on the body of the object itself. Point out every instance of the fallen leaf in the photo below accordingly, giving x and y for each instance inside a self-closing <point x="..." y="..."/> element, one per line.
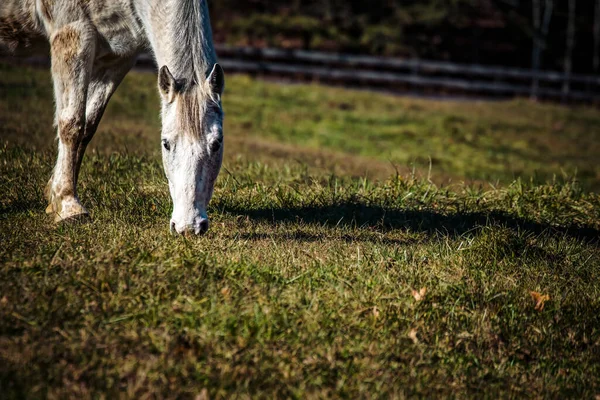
<point x="4" y="301"/>
<point x="420" y="295"/>
<point x="375" y="312"/>
<point x="225" y="292"/>
<point x="539" y="299"/>
<point x="413" y="336"/>
<point x="177" y="306"/>
<point x="203" y="395"/>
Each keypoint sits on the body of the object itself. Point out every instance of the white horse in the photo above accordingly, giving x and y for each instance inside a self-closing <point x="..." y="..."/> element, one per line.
<point x="93" y="44"/>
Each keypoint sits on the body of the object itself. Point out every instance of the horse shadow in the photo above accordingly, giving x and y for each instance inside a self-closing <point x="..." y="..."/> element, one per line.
<point x="378" y="221"/>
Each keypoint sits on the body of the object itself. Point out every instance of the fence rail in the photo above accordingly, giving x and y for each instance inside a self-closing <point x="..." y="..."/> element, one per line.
<point x="314" y="57"/>
<point x="406" y="74"/>
<point x="397" y="74"/>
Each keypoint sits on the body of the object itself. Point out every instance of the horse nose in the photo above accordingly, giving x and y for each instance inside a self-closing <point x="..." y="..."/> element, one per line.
<point x="198" y="228"/>
<point x="203" y="227"/>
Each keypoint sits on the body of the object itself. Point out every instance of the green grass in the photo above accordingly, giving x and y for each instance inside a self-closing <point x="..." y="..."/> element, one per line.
<point x="342" y="131"/>
<point x="302" y="287"/>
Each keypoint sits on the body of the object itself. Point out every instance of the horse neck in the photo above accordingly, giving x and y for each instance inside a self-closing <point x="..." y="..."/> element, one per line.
<point x="180" y="36"/>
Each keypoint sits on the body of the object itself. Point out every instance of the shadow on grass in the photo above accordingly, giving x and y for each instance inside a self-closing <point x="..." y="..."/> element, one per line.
<point x="374" y="222"/>
<point x="382" y="220"/>
<point x="21" y="206"/>
<point x="297" y="236"/>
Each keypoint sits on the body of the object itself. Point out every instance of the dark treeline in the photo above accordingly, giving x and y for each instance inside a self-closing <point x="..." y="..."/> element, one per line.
<point x="502" y="32"/>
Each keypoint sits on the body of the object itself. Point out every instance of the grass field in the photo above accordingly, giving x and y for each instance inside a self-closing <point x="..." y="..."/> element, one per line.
<point x="313" y="281"/>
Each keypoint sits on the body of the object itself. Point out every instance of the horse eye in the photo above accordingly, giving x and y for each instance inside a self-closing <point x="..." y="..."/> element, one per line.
<point x="216" y="145"/>
<point x="166" y="144"/>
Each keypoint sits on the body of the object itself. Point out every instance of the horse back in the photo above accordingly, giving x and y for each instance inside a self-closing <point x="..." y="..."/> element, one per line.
<point x="21" y="30"/>
<point x="27" y="25"/>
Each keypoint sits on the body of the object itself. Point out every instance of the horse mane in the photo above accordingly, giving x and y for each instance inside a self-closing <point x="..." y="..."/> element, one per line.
<point x="194" y="57"/>
<point x="194" y="51"/>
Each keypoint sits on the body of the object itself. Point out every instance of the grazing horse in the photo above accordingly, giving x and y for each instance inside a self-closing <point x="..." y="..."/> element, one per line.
<point x="93" y="44"/>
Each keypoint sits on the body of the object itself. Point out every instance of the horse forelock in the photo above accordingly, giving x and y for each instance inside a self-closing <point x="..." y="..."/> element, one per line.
<point x="192" y="107"/>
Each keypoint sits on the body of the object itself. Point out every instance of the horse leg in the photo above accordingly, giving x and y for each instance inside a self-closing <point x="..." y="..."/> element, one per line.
<point x="104" y="81"/>
<point x="72" y="50"/>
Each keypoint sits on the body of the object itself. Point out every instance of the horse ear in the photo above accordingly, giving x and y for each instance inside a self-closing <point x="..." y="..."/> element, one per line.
<point x="216" y="79"/>
<point x="167" y="84"/>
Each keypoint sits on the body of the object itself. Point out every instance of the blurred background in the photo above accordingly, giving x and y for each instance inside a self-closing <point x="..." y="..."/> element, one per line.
<point x="536" y="48"/>
<point x="496" y="32"/>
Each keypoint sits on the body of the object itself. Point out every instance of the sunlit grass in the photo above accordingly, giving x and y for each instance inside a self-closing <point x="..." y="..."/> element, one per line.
<point x="303" y="286"/>
<point x="470" y="140"/>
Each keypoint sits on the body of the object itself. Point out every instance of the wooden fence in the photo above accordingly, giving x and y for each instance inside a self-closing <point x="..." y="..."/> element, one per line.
<point x="397" y="74"/>
<point x="405" y="75"/>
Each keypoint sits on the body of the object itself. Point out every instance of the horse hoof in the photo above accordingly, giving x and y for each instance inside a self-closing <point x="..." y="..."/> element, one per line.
<point x="50" y="209"/>
<point x="68" y="210"/>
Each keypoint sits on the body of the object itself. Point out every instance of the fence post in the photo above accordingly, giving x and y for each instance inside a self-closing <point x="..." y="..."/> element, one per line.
<point x="569" y="52"/>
